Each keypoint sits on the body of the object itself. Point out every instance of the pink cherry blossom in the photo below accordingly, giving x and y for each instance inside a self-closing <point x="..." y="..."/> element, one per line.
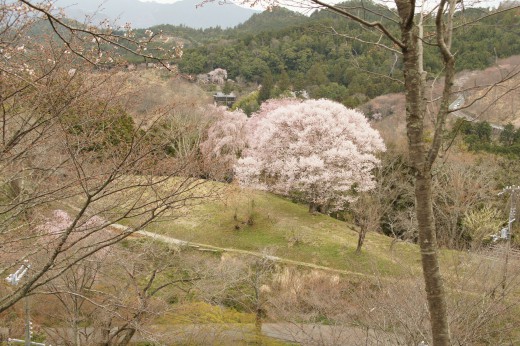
<point x="318" y="150"/>
<point x="224" y="143"/>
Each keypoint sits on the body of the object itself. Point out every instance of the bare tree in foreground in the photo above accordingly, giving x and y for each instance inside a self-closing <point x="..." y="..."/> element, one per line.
<point x="67" y="142"/>
<point x="128" y="290"/>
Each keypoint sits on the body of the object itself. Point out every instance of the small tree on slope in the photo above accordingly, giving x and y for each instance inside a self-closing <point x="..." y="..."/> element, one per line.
<point x="316" y="150"/>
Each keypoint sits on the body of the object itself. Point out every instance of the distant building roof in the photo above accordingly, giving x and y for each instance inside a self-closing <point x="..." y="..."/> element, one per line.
<point x="221" y="94"/>
<point x="227" y="99"/>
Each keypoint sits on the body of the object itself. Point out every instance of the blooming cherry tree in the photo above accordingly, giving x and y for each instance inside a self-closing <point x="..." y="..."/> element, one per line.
<point x="218" y="76"/>
<point x="224" y="143"/>
<point x="317" y="150"/>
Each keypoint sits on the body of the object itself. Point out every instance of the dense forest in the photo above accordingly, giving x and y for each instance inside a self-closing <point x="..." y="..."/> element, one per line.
<point x="324" y="54"/>
<point x="317" y="53"/>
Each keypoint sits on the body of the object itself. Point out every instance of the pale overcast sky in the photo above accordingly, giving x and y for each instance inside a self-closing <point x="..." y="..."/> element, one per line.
<point x="160" y="1"/>
<point x="307" y="10"/>
<point x="485" y="3"/>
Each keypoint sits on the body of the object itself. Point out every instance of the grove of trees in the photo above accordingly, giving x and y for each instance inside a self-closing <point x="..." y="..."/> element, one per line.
<point x="479" y="136"/>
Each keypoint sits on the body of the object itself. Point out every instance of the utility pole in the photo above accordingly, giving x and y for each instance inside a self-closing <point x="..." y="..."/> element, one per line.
<point x="14" y="279"/>
<point x="27" y="323"/>
<point x="513" y="191"/>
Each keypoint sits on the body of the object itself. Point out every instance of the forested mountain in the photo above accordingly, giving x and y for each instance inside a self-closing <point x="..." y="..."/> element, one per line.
<point x="324" y="54"/>
<point x="275" y="19"/>
<point x="317" y="53"/>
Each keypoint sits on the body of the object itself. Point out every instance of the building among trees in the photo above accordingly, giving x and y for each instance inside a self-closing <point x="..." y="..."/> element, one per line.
<point x="222" y="99"/>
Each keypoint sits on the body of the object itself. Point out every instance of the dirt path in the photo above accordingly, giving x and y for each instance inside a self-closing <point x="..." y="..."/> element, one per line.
<point x="206" y="247"/>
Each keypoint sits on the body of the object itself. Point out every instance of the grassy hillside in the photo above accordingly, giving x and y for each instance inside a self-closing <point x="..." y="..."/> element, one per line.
<point x="286" y="229"/>
<point x="387" y="277"/>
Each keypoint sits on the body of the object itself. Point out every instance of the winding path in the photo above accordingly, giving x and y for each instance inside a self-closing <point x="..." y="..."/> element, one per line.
<point x="211" y="248"/>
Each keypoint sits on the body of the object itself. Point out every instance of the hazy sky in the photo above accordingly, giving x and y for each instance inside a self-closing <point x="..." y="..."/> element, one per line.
<point x="160" y="1"/>
<point x="484" y="3"/>
<point x="239" y="3"/>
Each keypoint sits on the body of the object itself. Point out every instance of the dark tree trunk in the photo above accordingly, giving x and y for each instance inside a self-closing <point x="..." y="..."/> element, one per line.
<point x="318" y="208"/>
<point x="127" y="337"/>
<point x="361" y="239"/>
<point x="313" y="208"/>
<point x="258" y="320"/>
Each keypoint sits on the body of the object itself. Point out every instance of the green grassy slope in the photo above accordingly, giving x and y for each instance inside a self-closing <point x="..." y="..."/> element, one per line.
<point x="286" y="229"/>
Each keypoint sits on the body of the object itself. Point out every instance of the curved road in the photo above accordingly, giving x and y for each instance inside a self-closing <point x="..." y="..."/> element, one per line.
<point x="455" y="106"/>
